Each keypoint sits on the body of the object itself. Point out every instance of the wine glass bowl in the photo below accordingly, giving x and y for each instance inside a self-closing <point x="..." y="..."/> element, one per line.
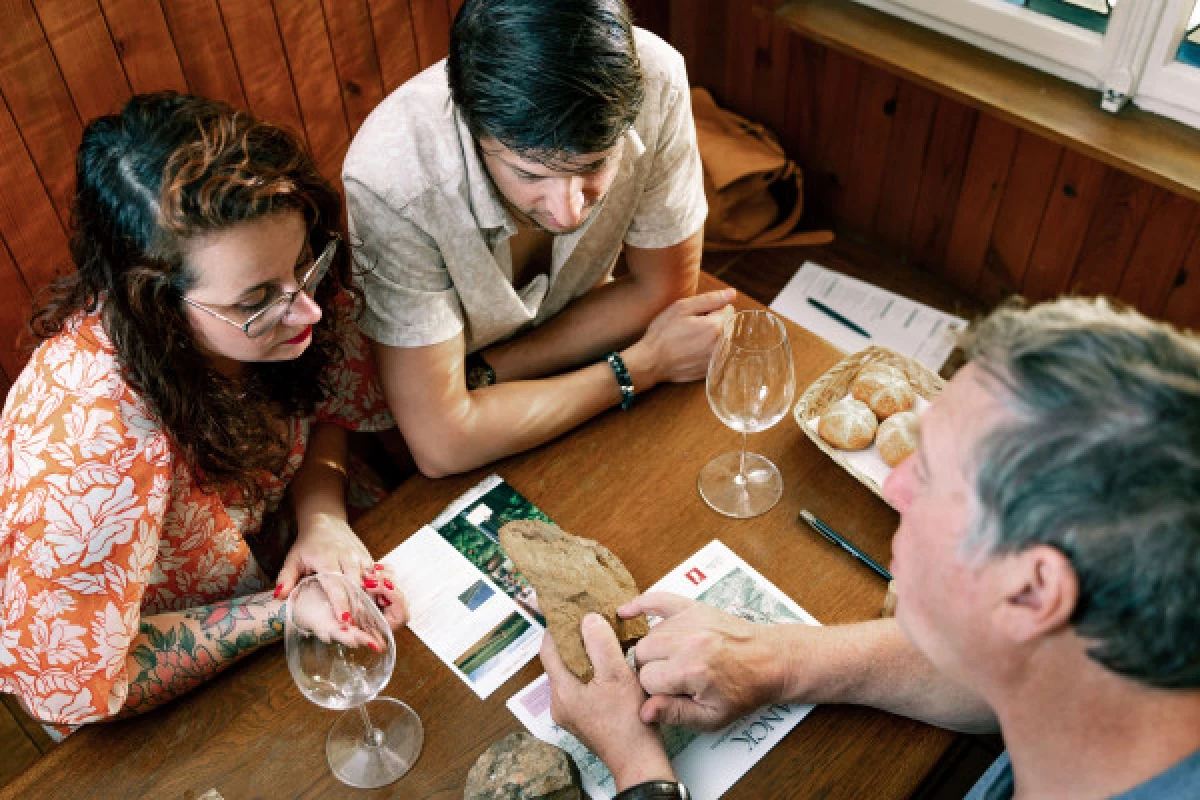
<point x="750" y="385"/>
<point x="341" y="654"/>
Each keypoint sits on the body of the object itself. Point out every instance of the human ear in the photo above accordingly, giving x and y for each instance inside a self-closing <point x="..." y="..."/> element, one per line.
<point x="1041" y="591"/>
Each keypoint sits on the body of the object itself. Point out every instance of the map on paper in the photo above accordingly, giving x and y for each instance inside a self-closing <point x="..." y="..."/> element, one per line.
<point x="708" y="763"/>
<point x="466" y="600"/>
<point x="894" y="321"/>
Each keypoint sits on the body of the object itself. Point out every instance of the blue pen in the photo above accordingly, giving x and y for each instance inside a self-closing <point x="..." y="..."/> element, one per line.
<point x="829" y="533"/>
<point x="824" y="309"/>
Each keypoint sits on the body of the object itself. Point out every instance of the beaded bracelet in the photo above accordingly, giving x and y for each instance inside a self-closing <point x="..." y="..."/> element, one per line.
<point x="623" y="380"/>
<point x="655" y="790"/>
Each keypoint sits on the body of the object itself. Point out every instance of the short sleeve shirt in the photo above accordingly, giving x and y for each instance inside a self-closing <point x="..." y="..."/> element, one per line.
<point x="1179" y="781"/>
<point x="101" y="522"/>
<point x="435" y="233"/>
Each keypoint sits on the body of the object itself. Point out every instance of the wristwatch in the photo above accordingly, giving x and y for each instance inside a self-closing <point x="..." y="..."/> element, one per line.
<point x="655" y="790"/>
<point x="479" y="372"/>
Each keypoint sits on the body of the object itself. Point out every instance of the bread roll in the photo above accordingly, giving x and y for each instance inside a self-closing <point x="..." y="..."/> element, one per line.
<point x="874" y="377"/>
<point x="885" y="389"/>
<point x="848" y="424"/>
<point x="896" y="439"/>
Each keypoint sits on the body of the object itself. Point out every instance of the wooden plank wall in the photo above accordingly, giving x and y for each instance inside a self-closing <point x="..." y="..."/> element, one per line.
<point x="993" y="209"/>
<point x="318" y="66"/>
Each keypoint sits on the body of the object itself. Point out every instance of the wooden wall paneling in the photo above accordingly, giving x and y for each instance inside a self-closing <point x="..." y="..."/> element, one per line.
<point x="806" y="64"/>
<point x="653" y="15"/>
<point x="431" y="24"/>
<point x="983" y="185"/>
<point x="36" y="240"/>
<point x="699" y="37"/>
<point x="1030" y="182"/>
<point x="1157" y="258"/>
<point x="452" y="7"/>
<point x="837" y="106"/>
<point x="37" y="97"/>
<point x="395" y="41"/>
<point x="1183" y="302"/>
<point x="915" y="107"/>
<point x="15" y="313"/>
<point x="739" y="35"/>
<point x="355" y="59"/>
<point x="941" y="181"/>
<point x="257" y="47"/>
<point x="143" y="42"/>
<point x="872" y="131"/>
<point x="82" y="45"/>
<point x="1119" y="216"/>
<point x="314" y="75"/>
<point x="205" y="54"/>
<point x="772" y="58"/>
<point x="1060" y="237"/>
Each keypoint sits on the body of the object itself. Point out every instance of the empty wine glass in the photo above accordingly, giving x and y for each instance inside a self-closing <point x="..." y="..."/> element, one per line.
<point x="341" y="653"/>
<point x="751" y="383"/>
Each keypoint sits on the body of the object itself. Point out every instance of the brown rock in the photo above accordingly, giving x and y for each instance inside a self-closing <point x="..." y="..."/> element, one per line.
<point x="521" y="767"/>
<point x="573" y="577"/>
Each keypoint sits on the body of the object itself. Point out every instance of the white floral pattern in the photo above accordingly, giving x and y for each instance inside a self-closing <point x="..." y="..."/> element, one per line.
<point x="101" y="523"/>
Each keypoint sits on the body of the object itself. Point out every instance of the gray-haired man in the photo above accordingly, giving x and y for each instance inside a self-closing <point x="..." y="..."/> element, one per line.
<point x="1047" y="563"/>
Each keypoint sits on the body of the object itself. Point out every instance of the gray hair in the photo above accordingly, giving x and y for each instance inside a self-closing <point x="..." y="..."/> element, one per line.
<point x="1100" y="459"/>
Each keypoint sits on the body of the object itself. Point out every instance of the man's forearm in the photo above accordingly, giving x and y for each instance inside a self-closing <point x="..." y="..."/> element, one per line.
<point x="874" y="664"/>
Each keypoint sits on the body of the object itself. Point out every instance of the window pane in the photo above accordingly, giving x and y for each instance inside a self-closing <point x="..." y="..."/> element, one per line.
<point x="1090" y="14"/>
<point x="1189" y="48"/>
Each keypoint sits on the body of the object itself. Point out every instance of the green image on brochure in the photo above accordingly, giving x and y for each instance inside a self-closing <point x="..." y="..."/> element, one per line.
<point x="474" y="531"/>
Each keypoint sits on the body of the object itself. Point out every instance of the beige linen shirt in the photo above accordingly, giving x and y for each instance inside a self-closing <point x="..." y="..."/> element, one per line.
<point x="434" y="233"/>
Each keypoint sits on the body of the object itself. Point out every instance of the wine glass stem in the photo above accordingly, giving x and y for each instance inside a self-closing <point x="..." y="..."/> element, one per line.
<point x="372" y="735"/>
<point x="741" y="476"/>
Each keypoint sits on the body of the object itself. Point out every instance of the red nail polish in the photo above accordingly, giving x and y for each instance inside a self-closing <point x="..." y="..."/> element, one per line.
<point x="391" y="586"/>
<point x="378" y="567"/>
<point x="345" y="627"/>
<point x="370" y="583"/>
<point x="345" y="616"/>
<point x="278" y="589"/>
<point x="373" y="646"/>
<point x="384" y="602"/>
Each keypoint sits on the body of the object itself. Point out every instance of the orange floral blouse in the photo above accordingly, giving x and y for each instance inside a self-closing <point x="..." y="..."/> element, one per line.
<point x="101" y="521"/>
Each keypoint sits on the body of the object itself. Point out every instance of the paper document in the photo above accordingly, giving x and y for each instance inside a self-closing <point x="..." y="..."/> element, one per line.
<point x="892" y="320"/>
<point x="708" y="763"/>
<point x="466" y="601"/>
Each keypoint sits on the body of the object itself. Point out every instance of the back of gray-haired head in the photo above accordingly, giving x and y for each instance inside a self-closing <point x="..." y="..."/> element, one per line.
<point x="1100" y="460"/>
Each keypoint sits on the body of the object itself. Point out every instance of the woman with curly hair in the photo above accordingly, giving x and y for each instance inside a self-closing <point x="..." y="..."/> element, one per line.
<point x="196" y="379"/>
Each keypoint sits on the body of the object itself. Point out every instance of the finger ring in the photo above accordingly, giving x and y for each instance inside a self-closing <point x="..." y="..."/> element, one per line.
<point x="631" y="658"/>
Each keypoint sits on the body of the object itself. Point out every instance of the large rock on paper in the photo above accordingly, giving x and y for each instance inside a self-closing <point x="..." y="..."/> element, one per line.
<point x="521" y="767"/>
<point x="572" y="577"/>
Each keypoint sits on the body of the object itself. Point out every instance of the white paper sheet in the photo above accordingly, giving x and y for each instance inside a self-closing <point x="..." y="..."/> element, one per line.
<point x="894" y="321"/>
<point x="708" y="763"/>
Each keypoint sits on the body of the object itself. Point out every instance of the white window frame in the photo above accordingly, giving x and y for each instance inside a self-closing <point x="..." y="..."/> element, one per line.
<point x="1134" y="59"/>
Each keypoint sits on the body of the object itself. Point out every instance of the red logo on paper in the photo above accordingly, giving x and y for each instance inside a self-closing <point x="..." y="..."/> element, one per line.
<point x="695" y="576"/>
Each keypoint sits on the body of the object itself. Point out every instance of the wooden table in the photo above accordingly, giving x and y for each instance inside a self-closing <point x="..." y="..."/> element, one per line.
<point x="627" y="479"/>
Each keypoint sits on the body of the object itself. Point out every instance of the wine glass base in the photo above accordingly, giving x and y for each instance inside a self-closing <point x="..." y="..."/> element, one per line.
<point x="726" y="492"/>
<point x="365" y="764"/>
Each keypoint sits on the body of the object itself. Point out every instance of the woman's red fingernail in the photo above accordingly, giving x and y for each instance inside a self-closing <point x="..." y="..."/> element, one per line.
<point x="345" y="627"/>
<point x="373" y="646"/>
<point x="345" y="616"/>
<point x="391" y="586"/>
<point x="378" y="567"/>
<point x="278" y="589"/>
<point x="384" y="602"/>
<point x="370" y="583"/>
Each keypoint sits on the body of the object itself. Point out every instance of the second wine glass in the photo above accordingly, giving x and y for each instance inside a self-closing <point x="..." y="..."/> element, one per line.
<point x="341" y="652"/>
<point x="751" y="383"/>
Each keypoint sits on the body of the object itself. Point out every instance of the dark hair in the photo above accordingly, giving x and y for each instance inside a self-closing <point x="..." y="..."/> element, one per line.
<point x="548" y="79"/>
<point x="166" y="168"/>
<point x="1101" y="460"/>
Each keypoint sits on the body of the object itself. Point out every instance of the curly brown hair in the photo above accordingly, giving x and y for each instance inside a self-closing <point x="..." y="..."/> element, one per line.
<point x="169" y="167"/>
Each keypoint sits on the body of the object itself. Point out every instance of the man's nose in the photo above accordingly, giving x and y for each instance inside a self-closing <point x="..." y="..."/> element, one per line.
<point x="568" y="202"/>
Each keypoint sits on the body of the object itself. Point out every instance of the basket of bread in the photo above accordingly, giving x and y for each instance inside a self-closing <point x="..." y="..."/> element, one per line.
<point x="864" y="412"/>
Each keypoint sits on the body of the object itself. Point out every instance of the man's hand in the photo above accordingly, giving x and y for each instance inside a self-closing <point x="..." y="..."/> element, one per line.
<point x="603" y="714"/>
<point x="702" y="667"/>
<point x="679" y="341"/>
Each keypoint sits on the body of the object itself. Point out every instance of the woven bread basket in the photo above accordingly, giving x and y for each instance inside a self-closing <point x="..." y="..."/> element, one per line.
<point x="835" y="384"/>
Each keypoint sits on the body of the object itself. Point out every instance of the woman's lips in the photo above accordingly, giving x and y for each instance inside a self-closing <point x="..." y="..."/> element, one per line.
<point x="302" y="337"/>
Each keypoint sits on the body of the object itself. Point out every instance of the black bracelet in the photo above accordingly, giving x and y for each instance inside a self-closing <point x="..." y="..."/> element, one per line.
<point x="623" y="380"/>
<point x="478" y="372"/>
<point x="655" y="790"/>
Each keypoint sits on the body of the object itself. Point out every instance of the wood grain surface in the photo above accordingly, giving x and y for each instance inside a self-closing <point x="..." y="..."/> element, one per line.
<point x="627" y="479"/>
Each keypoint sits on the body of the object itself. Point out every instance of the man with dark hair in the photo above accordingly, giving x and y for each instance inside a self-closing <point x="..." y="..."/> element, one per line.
<point x="493" y="195"/>
<point x="1047" y="566"/>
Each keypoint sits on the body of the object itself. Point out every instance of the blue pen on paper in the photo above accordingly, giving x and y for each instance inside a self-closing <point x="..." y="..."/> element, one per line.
<point x="824" y="309"/>
<point x="832" y="535"/>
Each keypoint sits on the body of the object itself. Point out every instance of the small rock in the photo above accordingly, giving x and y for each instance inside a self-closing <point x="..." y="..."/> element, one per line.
<point x="522" y="767"/>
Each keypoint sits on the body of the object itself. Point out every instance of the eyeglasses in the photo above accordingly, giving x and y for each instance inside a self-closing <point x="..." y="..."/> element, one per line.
<point x="265" y="319"/>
